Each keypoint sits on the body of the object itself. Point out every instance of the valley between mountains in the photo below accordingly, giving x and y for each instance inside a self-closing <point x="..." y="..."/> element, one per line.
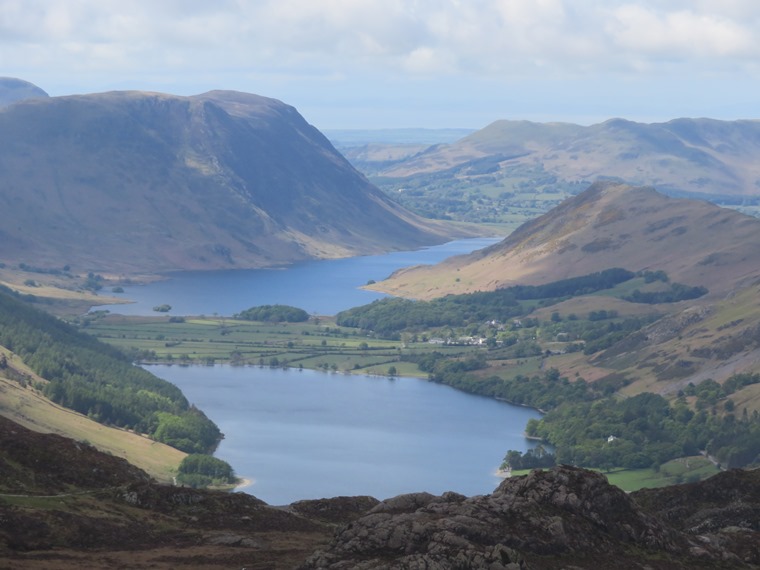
<point x="627" y="315"/>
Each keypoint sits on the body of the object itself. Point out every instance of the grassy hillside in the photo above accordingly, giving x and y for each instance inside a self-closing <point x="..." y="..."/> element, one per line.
<point x="608" y="225"/>
<point x="27" y="407"/>
<point x="516" y="170"/>
<point x="79" y="373"/>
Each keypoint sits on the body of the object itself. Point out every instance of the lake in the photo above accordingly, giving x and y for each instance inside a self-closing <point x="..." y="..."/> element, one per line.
<point x="323" y="287"/>
<point x="307" y="434"/>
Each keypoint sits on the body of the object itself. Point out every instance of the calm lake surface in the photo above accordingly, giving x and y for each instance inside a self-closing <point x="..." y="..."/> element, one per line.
<point x="322" y="287"/>
<point x="307" y="435"/>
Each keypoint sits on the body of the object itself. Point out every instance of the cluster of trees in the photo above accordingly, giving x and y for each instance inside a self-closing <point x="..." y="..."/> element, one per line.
<point x="43" y="270"/>
<point x="574" y="286"/>
<point x="274" y="314"/>
<point x="589" y="427"/>
<point x="542" y="392"/>
<point x="645" y="431"/>
<point x="387" y="317"/>
<point x="93" y="282"/>
<point x="652" y="276"/>
<point x="535" y="458"/>
<point x="604" y="336"/>
<point x="97" y="379"/>
<point x="199" y="470"/>
<point x="190" y="431"/>
<point x="444" y="369"/>
<point x="709" y="392"/>
<point x="676" y="292"/>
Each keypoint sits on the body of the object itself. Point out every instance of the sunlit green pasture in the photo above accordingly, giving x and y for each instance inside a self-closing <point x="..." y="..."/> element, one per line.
<point x="319" y="344"/>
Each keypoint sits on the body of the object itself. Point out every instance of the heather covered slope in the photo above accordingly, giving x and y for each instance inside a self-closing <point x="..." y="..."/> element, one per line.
<point x="67" y="506"/>
<point x="562" y="518"/>
<point x="608" y="225"/>
<point x="693" y="242"/>
<point x="139" y="182"/>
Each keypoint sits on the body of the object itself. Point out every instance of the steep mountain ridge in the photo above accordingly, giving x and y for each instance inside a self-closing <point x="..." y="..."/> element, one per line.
<point x="695" y="243"/>
<point x="142" y="182"/>
<point x="608" y="225"/>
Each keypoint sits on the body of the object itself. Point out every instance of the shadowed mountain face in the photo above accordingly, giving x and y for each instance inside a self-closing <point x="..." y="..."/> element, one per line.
<point x="143" y="182"/>
<point x="12" y="90"/>
<point x="608" y="225"/>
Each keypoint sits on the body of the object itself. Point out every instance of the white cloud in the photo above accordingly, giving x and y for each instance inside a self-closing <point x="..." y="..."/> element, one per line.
<point x="417" y="36"/>
<point x="683" y="34"/>
<point x="294" y="48"/>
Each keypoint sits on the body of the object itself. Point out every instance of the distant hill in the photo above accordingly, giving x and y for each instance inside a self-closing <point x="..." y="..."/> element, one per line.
<point x="684" y="156"/>
<point x="608" y="225"/>
<point x="12" y="90"/>
<point x="343" y="138"/>
<point x="137" y="182"/>
<point x="695" y="243"/>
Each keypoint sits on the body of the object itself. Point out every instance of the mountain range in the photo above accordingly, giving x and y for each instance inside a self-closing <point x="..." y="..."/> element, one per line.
<point x="135" y="182"/>
<point x="683" y="157"/>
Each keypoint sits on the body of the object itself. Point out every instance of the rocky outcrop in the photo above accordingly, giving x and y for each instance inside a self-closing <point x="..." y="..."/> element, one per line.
<point x="723" y="511"/>
<point x="71" y="506"/>
<point x="562" y="518"/>
<point x="338" y="510"/>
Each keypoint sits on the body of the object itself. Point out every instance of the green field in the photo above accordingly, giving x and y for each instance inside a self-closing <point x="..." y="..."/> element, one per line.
<point x="319" y="345"/>
<point x="322" y="345"/>
<point x="682" y="470"/>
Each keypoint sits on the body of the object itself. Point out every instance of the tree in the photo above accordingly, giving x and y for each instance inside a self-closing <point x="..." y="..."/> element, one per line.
<point x="274" y="314"/>
<point x="200" y="470"/>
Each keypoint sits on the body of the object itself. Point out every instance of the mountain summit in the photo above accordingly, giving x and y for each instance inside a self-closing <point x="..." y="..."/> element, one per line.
<point x="682" y="157"/>
<point x="608" y="225"/>
<point x="12" y="90"/>
<point x="142" y="182"/>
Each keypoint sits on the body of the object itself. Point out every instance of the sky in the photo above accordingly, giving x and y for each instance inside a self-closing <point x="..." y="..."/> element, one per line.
<point x="372" y="64"/>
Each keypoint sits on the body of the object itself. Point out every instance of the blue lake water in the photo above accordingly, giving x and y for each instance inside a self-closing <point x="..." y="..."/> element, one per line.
<point x="307" y="435"/>
<point x="322" y="287"/>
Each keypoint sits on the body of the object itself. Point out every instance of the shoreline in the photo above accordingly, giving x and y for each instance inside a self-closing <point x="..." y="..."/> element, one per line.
<point x="243" y="483"/>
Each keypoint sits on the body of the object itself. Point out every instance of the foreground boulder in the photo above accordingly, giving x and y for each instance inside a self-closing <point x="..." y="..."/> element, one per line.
<point x="65" y="505"/>
<point x="563" y="518"/>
